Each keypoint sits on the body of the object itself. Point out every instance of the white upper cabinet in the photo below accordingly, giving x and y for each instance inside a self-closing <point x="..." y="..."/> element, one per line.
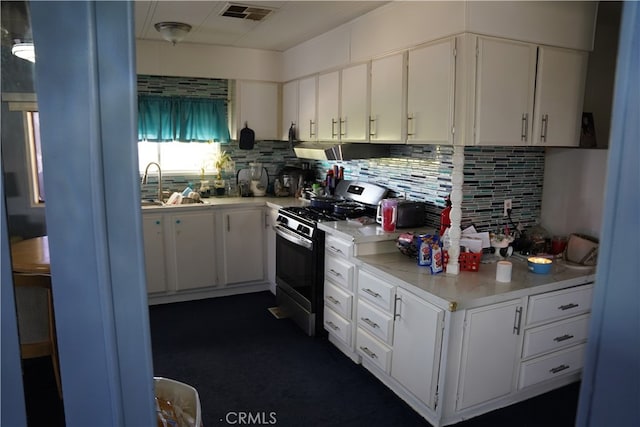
<point x="289" y="108"/>
<point x="257" y="106"/>
<point x="528" y="94"/>
<point x="505" y="78"/>
<point x="329" y="106"/>
<point x="307" y="118"/>
<point x="560" y="83"/>
<point x="387" y="99"/>
<point x="354" y="117"/>
<point x="431" y="93"/>
<point x="342" y="104"/>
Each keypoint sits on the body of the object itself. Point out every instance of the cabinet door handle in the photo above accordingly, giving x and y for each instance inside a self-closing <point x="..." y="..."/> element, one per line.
<point x="517" y="321"/>
<point x="368" y="352"/>
<point x="410" y="130"/>
<point x="525" y="126"/>
<point x="335" y="250"/>
<point x="311" y="133"/>
<point x="333" y="300"/>
<point x="343" y="129"/>
<point x="333" y="128"/>
<point x="396" y="313"/>
<point x="563" y="338"/>
<point x="335" y="273"/>
<point x="559" y="368"/>
<point x="333" y="325"/>
<point x="370" y="292"/>
<point x="369" y="322"/>
<point x="372" y="130"/>
<point x="568" y="306"/>
<point x="545" y="125"/>
<point x="228" y="222"/>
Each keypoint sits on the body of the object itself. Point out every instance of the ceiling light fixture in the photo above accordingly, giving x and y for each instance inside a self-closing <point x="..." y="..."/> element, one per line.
<point x="173" y="31"/>
<point x="24" y="51"/>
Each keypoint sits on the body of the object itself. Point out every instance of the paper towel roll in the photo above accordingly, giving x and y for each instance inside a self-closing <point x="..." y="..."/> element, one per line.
<point x="503" y="271"/>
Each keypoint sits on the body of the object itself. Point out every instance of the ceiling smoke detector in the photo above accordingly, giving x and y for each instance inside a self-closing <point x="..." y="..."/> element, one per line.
<point x="242" y="11"/>
<point x="173" y="31"/>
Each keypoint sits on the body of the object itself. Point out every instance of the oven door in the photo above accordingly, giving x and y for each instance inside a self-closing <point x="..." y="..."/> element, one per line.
<point x="296" y="266"/>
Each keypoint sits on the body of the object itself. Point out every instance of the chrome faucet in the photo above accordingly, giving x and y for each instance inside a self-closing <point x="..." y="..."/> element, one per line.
<point x="144" y="179"/>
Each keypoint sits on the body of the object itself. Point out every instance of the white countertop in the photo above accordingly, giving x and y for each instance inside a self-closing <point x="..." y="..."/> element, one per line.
<point x="472" y="289"/>
<point x="354" y="232"/>
<point x="230" y="202"/>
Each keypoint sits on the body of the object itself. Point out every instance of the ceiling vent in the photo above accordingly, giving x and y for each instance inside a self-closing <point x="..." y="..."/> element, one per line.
<point x="241" y="11"/>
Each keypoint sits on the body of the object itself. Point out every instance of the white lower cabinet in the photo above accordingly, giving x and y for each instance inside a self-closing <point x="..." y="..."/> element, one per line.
<point x="192" y="256"/>
<point x="374" y="351"/>
<point x="196" y="252"/>
<point x="551" y="366"/>
<point x="270" y="238"/>
<point x="338" y="294"/>
<point x="154" y="253"/>
<point x="401" y="334"/>
<point x="490" y="352"/>
<point x="453" y="365"/>
<point x="417" y="341"/>
<point x="243" y="245"/>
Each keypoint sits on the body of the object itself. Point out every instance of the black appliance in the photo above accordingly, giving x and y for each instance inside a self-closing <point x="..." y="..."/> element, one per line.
<point x="300" y="251"/>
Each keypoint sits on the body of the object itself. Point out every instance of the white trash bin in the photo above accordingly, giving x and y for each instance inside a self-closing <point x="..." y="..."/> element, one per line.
<point x="180" y="395"/>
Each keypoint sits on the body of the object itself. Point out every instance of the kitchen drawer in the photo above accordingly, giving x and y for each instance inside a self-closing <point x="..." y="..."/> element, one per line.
<point x="551" y="366"/>
<point x="376" y="291"/>
<point x="373" y="350"/>
<point x="556" y="335"/>
<point x="337" y="299"/>
<point x="559" y="304"/>
<point x="338" y="247"/>
<point x="375" y="321"/>
<point x="337" y="326"/>
<point x="338" y="271"/>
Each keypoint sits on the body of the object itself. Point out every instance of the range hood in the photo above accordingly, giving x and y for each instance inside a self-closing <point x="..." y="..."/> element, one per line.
<point x="345" y="151"/>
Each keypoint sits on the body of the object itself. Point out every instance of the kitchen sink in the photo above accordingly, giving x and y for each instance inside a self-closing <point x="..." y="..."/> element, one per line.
<point x="149" y="202"/>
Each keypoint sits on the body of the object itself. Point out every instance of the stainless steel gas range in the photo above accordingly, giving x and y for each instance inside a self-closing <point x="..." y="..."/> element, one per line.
<point x="300" y="250"/>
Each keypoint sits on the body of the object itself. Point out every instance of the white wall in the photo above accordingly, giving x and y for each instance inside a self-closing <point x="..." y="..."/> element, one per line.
<point x="161" y="58"/>
<point x="402" y="25"/>
<point x="573" y="194"/>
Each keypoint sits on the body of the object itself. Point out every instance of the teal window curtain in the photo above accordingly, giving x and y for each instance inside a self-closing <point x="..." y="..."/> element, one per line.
<point x="163" y="119"/>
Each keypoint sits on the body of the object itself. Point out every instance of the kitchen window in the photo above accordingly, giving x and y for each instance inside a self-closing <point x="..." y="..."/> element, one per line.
<point x="177" y="132"/>
<point x="34" y="152"/>
<point x="26" y="104"/>
<point x="178" y="157"/>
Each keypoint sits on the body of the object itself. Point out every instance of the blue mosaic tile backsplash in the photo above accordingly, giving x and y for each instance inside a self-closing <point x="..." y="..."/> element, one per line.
<point x="491" y="174"/>
<point x="421" y="172"/>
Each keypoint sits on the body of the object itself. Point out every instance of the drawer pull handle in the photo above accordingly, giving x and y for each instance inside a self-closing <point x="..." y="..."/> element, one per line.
<point x="369" y="322"/>
<point x="333" y="300"/>
<point x="568" y="306"/>
<point x="563" y="338"/>
<point x="334" y="250"/>
<point x="559" y="369"/>
<point x="370" y="292"/>
<point x="333" y="325"/>
<point x="368" y="352"/>
<point x="335" y="273"/>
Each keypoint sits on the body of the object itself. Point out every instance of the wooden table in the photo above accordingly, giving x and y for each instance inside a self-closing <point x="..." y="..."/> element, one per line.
<point x="31" y="256"/>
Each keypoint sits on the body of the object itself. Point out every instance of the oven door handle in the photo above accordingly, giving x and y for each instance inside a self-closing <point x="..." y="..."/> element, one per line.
<point x="292" y="237"/>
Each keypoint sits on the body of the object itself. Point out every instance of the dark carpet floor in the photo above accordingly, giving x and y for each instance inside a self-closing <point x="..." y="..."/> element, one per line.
<point x="241" y="359"/>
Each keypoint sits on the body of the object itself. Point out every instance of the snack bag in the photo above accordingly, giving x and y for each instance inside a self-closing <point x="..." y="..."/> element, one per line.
<point x="425" y="241"/>
<point x="436" y="259"/>
<point x="424" y="252"/>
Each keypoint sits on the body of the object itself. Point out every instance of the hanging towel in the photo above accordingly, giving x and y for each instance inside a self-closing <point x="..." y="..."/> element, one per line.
<point x="247" y="138"/>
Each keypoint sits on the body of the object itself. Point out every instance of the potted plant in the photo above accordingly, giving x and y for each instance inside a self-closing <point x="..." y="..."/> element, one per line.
<point x="221" y="161"/>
